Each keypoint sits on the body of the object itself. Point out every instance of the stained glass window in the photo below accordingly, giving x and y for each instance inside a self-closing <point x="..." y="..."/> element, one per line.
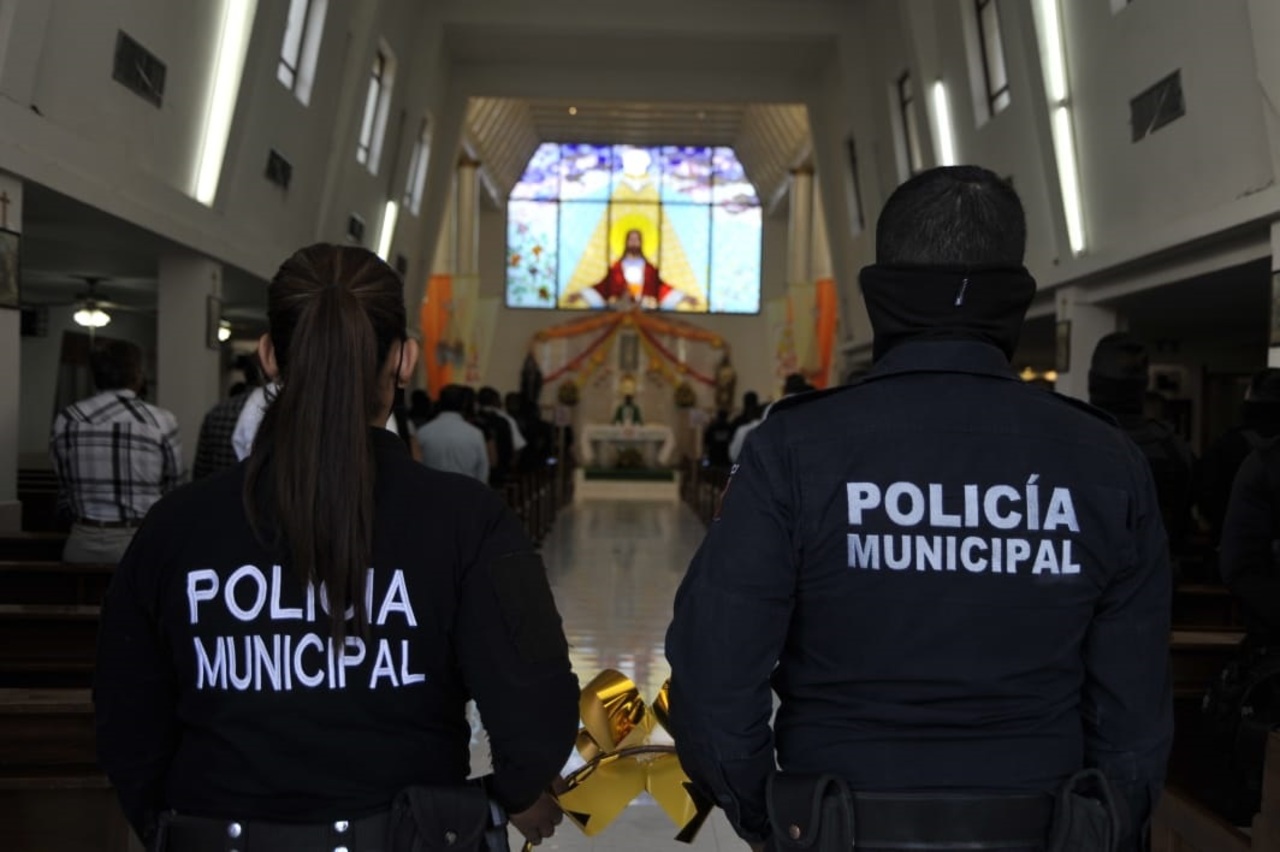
<point x="670" y="228"/>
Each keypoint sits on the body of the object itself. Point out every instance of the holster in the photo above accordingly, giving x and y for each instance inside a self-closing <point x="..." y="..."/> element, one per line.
<point x="436" y="819"/>
<point x="1088" y="816"/>
<point x="810" y="812"/>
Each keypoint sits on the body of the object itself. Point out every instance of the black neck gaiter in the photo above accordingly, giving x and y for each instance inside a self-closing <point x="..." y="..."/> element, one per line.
<point x="939" y="303"/>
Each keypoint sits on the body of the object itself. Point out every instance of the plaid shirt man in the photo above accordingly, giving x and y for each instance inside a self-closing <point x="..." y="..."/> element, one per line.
<point x="115" y="456"/>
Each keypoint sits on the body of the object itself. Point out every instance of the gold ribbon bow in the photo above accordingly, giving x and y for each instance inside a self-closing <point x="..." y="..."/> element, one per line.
<point x="622" y="764"/>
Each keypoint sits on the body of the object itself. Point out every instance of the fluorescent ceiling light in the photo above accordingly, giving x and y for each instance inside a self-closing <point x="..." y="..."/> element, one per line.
<point x="1069" y="177"/>
<point x="388" y="230"/>
<point x="224" y="88"/>
<point x="1053" y="50"/>
<point x="946" y="133"/>
<point x="91" y="317"/>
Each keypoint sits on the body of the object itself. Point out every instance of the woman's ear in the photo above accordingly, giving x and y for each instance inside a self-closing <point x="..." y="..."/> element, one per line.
<point x="267" y="356"/>
<point x="409" y="352"/>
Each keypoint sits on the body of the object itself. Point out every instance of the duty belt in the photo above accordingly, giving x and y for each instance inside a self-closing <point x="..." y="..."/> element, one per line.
<point x="898" y="821"/>
<point x="177" y="833"/>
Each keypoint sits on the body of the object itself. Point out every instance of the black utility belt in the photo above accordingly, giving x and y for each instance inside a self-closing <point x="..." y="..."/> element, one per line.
<point x="458" y="818"/>
<point x="818" y="813"/>
<point x="180" y="833"/>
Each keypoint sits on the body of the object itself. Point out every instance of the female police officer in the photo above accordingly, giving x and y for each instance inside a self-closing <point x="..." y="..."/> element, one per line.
<point x="288" y="646"/>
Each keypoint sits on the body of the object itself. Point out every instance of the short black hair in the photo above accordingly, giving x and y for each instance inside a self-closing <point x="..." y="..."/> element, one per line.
<point x="490" y="398"/>
<point x="116" y="365"/>
<point x="953" y="216"/>
<point x="453" y="398"/>
<point x="1265" y="386"/>
<point x="750" y="399"/>
<point x="1120" y="356"/>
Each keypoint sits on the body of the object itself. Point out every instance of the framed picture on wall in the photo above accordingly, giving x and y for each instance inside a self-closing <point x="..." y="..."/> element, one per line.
<point x="10" y="292"/>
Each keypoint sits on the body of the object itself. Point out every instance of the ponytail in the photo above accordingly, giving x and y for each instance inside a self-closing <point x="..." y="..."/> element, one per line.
<point x="310" y="478"/>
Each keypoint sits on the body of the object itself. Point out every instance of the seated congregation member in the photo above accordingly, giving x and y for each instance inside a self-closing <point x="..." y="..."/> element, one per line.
<point x="716" y="441"/>
<point x="449" y="442"/>
<point x="1259" y="424"/>
<point x="115" y="456"/>
<point x="396" y="593"/>
<point x="216" y="446"/>
<point x="1118" y="376"/>
<point x="491" y="401"/>
<point x="957" y="585"/>
<point x="1249" y="558"/>
<point x="493" y="421"/>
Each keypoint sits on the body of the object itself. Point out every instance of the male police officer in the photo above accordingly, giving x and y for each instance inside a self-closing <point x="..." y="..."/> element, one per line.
<point x="957" y="584"/>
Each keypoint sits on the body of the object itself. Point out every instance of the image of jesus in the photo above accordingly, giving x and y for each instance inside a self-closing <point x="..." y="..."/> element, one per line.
<point x="634" y="279"/>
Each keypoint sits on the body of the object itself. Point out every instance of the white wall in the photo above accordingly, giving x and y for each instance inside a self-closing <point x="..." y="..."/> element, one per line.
<point x="1215" y="154"/>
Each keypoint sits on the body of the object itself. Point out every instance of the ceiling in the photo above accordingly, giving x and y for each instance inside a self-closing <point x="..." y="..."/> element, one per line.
<point x="770" y="139"/>
<point x="65" y="241"/>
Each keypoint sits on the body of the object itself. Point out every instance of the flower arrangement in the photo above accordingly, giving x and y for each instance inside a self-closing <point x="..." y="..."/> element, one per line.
<point x="568" y="393"/>
<point x="685" y="396"/>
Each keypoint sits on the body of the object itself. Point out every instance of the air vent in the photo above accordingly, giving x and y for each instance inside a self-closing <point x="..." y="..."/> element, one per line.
<point x="1157" y="106"/>
<point x="279" y="170"/>
<point x="35" y="322"/>
<point x="401" y="265"/>
<point x="138" y="70"/>
<point x="355" y="228"/>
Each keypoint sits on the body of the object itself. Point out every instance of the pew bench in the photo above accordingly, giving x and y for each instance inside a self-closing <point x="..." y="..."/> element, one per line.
<point x="47" y="645"/>
<point x="35" y="582"/>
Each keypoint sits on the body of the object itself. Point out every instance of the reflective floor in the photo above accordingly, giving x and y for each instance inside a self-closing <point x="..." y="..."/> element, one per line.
<point x="615" y="567"/>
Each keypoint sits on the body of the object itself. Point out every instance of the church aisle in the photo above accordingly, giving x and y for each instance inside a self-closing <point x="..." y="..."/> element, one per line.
<point x="615" y="568"/>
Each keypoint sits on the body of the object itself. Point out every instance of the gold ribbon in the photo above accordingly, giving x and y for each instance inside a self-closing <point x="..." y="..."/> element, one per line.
<point x="622" y="764"/>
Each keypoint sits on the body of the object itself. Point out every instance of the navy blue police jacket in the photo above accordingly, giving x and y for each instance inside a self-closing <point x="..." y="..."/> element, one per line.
<point x="952" y="580"/>
<point x="220" y="693"/>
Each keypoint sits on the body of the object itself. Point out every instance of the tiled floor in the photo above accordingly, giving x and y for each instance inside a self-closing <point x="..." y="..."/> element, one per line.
<point x="615" y="567"/>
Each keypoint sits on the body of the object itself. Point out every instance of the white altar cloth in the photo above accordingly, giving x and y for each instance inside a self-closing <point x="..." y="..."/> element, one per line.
<point x="596" y="434"/>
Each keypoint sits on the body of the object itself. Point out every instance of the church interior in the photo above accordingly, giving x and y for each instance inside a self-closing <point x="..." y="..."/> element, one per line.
<point x="626" y="216"/>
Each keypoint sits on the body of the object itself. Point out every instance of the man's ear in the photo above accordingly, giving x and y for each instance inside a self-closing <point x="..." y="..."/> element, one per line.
<point x="409" y="352"/>
<point x="267" y="356"/>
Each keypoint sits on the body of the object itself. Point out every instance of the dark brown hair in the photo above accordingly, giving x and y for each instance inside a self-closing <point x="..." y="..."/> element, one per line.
<point x="334" y="312"/>
<point x="116" y="365"/>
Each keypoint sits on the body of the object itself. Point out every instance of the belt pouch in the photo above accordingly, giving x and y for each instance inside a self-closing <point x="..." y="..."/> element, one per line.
<point x="1086" y="817"/>
<point x="810" y="812"/>
<point x="441" y="819"/>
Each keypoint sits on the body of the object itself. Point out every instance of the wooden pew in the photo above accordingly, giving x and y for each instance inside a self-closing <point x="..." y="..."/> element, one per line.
<point x="1199" y="655"/>
<point x="1180" y="824"/>
<point x="53" y="796"/>
<point x="58" y="583"/>
<point x="47" y="645"/>
<point x="1200" y="605"/>
<point x="44" y="546"/>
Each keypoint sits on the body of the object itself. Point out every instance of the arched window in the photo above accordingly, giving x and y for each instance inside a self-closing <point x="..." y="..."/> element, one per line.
<point x="668" y="228"/>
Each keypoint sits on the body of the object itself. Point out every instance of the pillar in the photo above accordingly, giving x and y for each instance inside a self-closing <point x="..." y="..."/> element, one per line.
<point x="1273" y="353"/>
<point x="799" y="242"/>
<point x="189" y="302"/>
<point x="468" y="218"/>
<point x="1080" y="326"/>
<point x="10" y="375"/>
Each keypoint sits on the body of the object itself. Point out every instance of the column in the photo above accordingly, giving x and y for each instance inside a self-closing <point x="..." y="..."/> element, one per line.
<point x="1273" y="354"/>
<point x="1080" y="326"/>
<point x="189" y="302"/>
<point x="468" y="218"/>
<point x="799" y="243"/>
<point x="10" y="375"/>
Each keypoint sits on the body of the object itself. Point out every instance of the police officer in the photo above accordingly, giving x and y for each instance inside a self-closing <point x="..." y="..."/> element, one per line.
<point x="956" y="584"/>
<point x="288" y="647"/>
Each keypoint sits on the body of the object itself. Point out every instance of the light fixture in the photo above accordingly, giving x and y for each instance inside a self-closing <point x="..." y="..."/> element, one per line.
<point x="1051" y="376"/>
<point x="224" y="87"/>
<point x="224" y="331"/>
<point x="573" y="110"/>
<point x="1053" y="57"/>
<point x="91" y="316"/>
<point x="1028" y="374"/>
<point x="946" y="133"/>
<point x="388" y="229"/>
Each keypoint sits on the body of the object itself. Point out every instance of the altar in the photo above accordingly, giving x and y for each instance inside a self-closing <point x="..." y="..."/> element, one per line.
<point x="602" y="444"/>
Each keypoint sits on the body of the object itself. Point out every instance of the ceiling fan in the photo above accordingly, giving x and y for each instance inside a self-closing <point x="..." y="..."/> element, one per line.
<point x="93" y="307"/>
